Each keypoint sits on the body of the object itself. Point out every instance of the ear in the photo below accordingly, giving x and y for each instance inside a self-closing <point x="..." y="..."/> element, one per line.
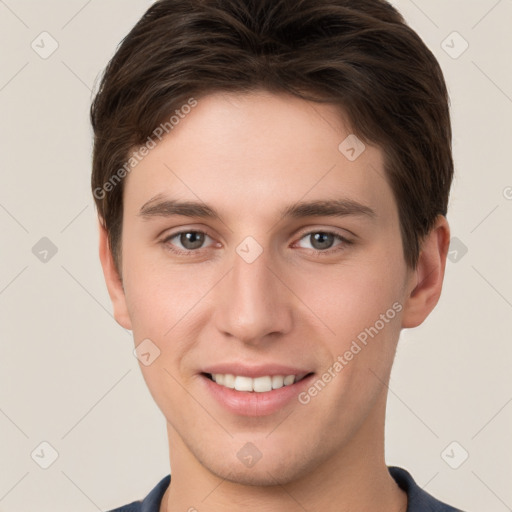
<point x="113" y="280"/>
<point x="426" y="281"/>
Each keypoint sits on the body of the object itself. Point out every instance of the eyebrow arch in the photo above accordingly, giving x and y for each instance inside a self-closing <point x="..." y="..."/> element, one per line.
<point x="328" y="208"/>
<point x="158" y="206"/>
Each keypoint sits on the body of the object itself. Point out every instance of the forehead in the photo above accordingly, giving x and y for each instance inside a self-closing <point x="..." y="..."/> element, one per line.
<point x="254" y="152"/>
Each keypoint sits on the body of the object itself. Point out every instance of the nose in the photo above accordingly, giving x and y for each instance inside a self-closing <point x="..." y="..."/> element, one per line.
<point x="252" y="304"/>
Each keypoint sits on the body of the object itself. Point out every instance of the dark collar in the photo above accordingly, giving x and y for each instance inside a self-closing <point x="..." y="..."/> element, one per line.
<point x="418" y="500"/>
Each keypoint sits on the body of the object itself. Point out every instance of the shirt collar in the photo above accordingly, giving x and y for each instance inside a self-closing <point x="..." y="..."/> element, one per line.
<point x="418" y="500"/>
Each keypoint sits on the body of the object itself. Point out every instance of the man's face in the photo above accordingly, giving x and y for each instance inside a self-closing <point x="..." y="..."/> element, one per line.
<point x="261" y="289"/>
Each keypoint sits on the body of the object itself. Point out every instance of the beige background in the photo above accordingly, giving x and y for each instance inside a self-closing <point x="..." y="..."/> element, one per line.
<point x="67" y="373"/>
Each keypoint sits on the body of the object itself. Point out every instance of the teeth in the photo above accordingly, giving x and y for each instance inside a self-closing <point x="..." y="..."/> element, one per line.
<point x="289" y="379"/>
<point x="229" y="381"/>
<point x="259" y="384"/>
<point x="243" y="383"/>
<point x="277" y="381"/>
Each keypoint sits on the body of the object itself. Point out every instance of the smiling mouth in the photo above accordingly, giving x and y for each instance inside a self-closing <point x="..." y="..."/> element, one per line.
<point x="258" y="384"/>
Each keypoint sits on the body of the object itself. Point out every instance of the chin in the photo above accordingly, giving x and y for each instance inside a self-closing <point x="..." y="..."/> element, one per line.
<point x="267" y="475"/>
<point x="277" y="466"/>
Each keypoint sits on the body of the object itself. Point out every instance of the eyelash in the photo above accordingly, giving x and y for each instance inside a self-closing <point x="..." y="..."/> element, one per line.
<point x="317" y="252"/>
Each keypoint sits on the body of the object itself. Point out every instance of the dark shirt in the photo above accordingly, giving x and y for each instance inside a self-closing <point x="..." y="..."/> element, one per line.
<point x="418" y="499"/>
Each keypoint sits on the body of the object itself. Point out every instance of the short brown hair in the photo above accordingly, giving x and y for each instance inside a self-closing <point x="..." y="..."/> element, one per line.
<point x="357" y="54"/>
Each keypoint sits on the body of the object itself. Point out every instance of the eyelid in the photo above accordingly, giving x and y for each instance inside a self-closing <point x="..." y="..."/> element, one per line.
<point x="343" y="233"/>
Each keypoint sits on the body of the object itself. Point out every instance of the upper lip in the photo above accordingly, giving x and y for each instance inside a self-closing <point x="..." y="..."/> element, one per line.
<point x="255" y="371"/>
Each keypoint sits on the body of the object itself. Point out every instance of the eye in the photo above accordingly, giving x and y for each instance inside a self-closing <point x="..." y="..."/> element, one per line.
<point x="323" y="241"/>
<point x="189" y="241"/>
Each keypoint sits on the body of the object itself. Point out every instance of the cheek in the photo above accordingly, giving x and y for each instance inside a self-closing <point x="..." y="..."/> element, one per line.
<point x="168" y="305"/>
<point x="349" y="298"/>
<point x="155" y="297"/>
<point x="363" y="309"/>
<point x="361" y="305"/>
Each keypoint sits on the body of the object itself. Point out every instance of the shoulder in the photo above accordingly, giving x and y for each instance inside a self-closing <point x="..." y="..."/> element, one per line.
<point x="151" y="503"/>
<point x="418" y="499"/>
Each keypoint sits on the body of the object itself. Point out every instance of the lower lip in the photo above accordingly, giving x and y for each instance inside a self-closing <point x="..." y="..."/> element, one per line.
<point x="247" y="403"/>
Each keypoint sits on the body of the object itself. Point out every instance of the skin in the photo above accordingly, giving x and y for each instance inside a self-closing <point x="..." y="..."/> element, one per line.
<point x="247" y="156"/>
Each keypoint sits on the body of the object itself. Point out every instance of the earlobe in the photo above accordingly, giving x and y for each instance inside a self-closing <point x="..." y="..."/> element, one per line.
<point x="113" y="280"/>
<point x="427" y="279"/>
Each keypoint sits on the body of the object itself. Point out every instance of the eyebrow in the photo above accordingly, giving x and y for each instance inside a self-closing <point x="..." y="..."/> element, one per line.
<point x="159" y="206"/>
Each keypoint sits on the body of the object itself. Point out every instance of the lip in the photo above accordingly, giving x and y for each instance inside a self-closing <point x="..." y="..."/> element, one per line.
<point x="251" y="403"/>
